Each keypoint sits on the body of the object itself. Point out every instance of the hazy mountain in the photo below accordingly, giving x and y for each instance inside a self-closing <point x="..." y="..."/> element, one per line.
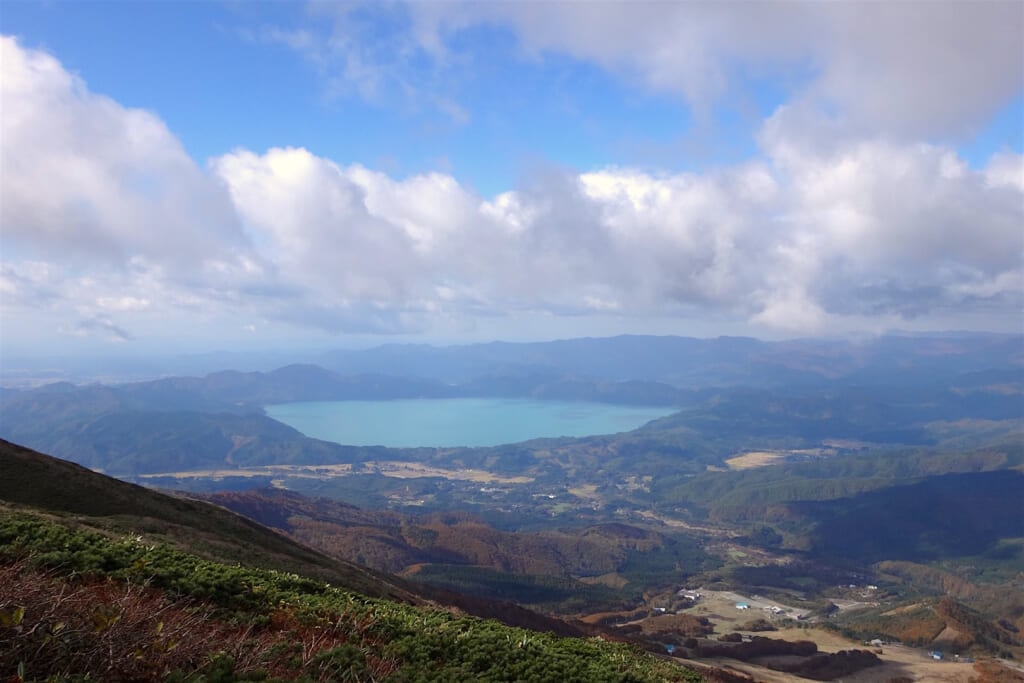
<point x="690" y="362"/>
<point x="887" y="392"/>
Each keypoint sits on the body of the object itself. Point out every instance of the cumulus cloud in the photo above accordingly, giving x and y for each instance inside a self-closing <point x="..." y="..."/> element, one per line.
<point x="899" y="69"/>
<point x="879" y="229"/>
<point x="83" y="174"/>
<point x="27" y="283"/>
<point x="797" y="243"/>
<point x="102" y="211"/>
<point x="1006" y="169"/>
<point x="106" y="221"/>
<point x="123" y="303"/>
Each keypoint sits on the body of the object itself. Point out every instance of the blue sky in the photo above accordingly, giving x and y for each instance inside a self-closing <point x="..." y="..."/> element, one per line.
<point x="219" y="175"/>
<point x="214" y="74"/>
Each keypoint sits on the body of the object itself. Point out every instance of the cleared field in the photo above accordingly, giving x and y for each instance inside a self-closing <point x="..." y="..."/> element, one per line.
<point x="396" y="469"/>
<point x="898" y="660"/>
<point x="914" y="663"/>
<point x="720" y="608"/>
<point x="413" y="470"/>
<point x="585" y="491"/>
<point x="303" y="471"/>
<point x="612" y="580"/>
<point x="752" y="459"/>
<point x="652" y="516"/>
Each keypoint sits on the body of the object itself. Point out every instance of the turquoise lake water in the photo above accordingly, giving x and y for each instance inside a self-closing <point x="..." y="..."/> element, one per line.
<point x="456" y="421"/>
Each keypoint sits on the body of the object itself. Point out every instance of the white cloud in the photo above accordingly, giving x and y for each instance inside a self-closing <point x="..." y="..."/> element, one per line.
<point x="902" y="69"/>
<point x="921" y="69"/>
<point x="1006" y="169"/>
<point x="801" y="244"/>
<point x="109" y="225"/>
<point x="101" y="209"/>
<point x="83" y="174"/>
<point x="123" y="303"/>
<point x="313" y="219"/>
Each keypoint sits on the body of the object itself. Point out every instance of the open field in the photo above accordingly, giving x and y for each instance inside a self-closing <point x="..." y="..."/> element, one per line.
<point x="387" y="468"/>
<point x="585" y="491"/>
<point x="746" y="461"/>
<point x="720" y="608"/>
<point x="915" y="663"/>
<point x="752" y="459"/>
<point x="651" y="516"/>
<point x="897" y="662"/>
<point x="412" y="470"/>
<point x="302" y="471"/>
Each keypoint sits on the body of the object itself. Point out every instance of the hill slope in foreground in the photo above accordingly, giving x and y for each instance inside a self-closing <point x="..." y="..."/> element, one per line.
<point x="106" y="580"/>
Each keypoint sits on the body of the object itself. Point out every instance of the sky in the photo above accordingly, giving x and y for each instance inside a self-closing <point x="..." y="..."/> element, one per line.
<point x="197" y="176"/>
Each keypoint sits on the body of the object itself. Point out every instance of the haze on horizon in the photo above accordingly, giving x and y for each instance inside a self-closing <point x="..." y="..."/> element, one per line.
<point x="187" y="177"/>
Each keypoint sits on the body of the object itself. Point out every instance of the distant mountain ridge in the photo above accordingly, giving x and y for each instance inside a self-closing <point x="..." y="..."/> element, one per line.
<point x="732" y="394"/>
<point x="693" y="362"/>
<point x="685" y="362"/>
<point x="626" y="369"/>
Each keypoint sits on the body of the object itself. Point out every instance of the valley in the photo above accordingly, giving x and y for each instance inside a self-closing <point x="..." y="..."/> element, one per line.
<point x="709" y="616"/>
<point x="840" y="510"/>
<point x="518" y="341"/>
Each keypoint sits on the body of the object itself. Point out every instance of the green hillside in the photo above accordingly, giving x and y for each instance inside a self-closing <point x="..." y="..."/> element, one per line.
<point x="79" y="497"/>
<point x="107" y="581"/>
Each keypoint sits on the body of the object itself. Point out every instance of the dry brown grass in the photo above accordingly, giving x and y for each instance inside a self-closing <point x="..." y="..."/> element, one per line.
<point x="752" y="459"/>
<point x="611" y="579"/>
<point x="53" y="626"/>
<point x="388" y="468"/>
<point x="411" y="470"/>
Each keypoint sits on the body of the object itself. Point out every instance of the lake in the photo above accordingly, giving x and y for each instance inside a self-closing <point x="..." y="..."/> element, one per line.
<point x="456" y="421"/>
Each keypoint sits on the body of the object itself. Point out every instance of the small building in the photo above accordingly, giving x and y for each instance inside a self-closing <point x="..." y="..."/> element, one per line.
<point x="742" y="605"/>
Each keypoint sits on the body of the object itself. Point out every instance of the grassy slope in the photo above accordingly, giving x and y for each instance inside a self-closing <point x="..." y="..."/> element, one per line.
<point x="80" y="605"/>
<point x="86" y="499"/>
<point x="82" y="497"/>
<point x="74" y="524"/>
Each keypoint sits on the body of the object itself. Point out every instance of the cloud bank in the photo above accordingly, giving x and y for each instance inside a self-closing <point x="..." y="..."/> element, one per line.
<point x="110" y="227"/>
<point x="898" y="69"/>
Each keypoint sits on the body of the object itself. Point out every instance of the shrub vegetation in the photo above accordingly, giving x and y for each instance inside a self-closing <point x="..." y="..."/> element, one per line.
<point x="77" y="604"/>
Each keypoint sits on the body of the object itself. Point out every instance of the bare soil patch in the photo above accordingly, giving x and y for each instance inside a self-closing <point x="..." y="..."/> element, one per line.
<point x="897" y="660"/>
